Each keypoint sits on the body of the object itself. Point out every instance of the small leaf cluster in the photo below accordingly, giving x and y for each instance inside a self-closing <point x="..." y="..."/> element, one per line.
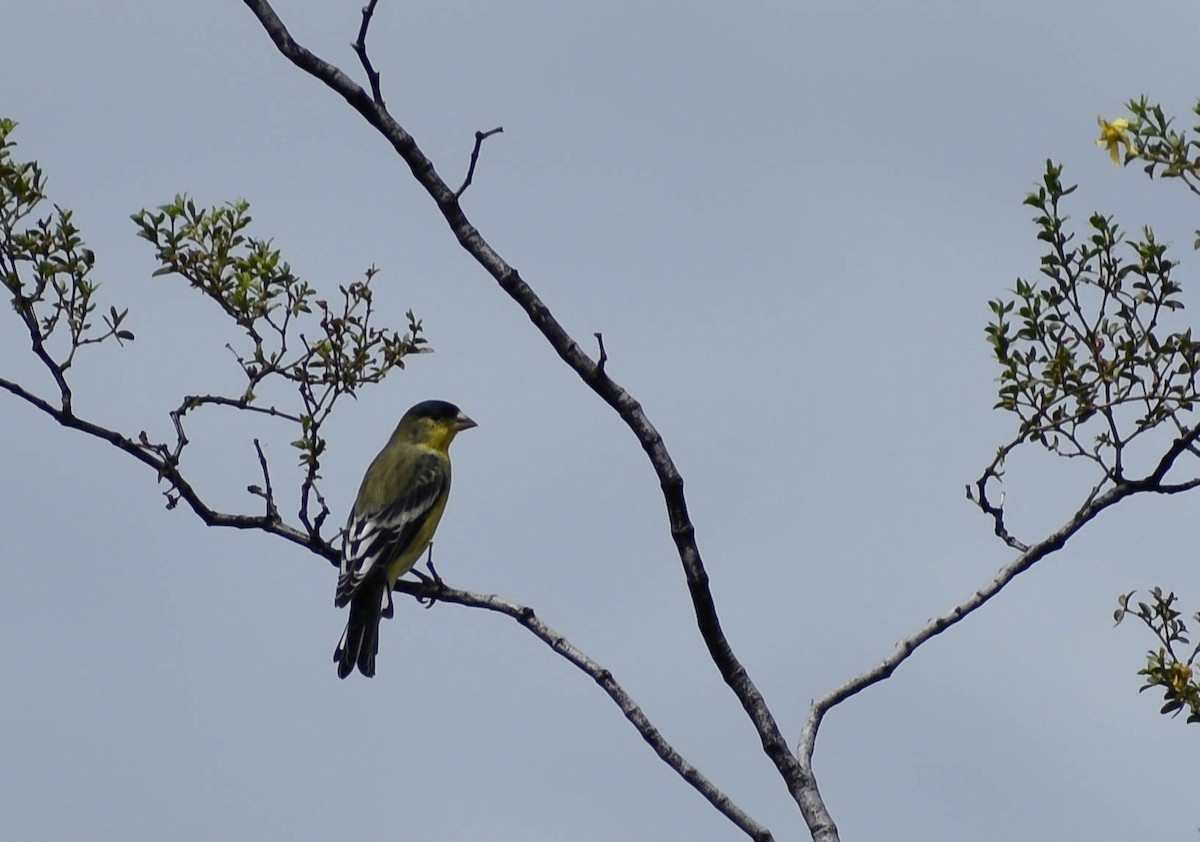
<point x="324" y="350"/>
<point x="45" y="265"/>
<point x="1168" y="152"/>
<point x="251" y="283"/>
<point x="1166" y="668"/>
<point x="1087" y="360"/>
<point x="298" y="354"/>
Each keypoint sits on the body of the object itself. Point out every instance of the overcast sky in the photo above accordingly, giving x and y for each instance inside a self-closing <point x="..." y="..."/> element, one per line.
<point x="787" y="219"/>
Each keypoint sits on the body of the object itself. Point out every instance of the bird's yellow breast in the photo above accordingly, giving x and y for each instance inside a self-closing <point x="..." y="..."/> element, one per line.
<point x="405" y="561"/>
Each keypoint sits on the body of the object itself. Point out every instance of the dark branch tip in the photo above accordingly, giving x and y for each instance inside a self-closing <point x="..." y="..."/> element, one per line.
<point x="480" y="137"/>
<point x="603" y="358"/>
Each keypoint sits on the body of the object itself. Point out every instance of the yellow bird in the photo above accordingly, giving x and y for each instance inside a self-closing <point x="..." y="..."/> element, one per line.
<point x="397" y="510"/>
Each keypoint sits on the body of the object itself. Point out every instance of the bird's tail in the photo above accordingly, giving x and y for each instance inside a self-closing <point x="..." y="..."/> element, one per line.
<point x="360" y="641"/>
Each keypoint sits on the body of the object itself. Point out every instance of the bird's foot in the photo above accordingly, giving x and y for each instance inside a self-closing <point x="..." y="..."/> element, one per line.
<point x="431" y="580"/>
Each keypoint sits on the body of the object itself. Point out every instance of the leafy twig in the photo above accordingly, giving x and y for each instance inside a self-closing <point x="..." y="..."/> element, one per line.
<point x="1166" y="668"/>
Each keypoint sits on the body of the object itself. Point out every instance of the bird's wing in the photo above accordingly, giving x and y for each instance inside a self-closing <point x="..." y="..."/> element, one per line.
<point x="373" y="538"/>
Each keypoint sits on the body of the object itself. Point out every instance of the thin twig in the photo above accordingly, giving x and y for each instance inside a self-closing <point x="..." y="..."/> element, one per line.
<point x="360" y="47"/>
<point x="480" y="137"/>
<point x="181" y="439"/>
<point x="191" y="402"/>
<point x="603" y="354"/>
<point x="37" y="342"/>
<point x="269" y="494"/>
<point x="319" y="520"/>
<point x="996" y="512"/>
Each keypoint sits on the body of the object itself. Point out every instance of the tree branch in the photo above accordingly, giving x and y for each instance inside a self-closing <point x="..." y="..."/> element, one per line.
<point x="528" y="618"/>
<point x="1094" y="504"/>
<point x="165" y="469"/>
<point x="799" y="783"/>
<point x="732" y="671"/>
<point x="158" y="457"/>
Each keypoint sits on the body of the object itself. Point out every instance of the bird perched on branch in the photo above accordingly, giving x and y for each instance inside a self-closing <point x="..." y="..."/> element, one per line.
<point x="398" y="507"/>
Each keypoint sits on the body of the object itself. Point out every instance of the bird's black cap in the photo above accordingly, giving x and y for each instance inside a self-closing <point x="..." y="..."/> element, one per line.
<point x="437" y="410"/>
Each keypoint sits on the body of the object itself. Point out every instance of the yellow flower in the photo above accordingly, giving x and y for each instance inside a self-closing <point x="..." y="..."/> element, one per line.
<point x="1180" y="676"/>
<point x="1114" y="135"/>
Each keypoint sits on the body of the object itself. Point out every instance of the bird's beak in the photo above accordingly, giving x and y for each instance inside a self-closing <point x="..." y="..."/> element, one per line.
<point x="462" y="422"/>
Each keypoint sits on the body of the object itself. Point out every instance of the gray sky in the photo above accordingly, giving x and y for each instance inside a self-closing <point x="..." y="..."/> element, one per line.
<point x="787" y="219"/>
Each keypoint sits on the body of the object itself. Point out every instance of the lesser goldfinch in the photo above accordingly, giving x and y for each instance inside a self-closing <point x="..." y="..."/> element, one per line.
<point x="398" y="507"/>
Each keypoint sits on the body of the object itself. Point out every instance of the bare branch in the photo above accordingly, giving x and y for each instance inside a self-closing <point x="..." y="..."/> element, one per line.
<point x="191" y="402"/>
<point x="799" y="782"/>
<point x="269" y="494"/>
<point x="480" y="137"/>
<point x="181" y="439"/>
<point x="360" y="47"/>
<point x="528" y="618"/>
<point x="1094" y="504"/>
<point x="1179" y="487"/>
<point x="1182" y="445"/>
<point x="271" y="523"/>
<point x="979" y="497"/>
<point x="179" y="488"/>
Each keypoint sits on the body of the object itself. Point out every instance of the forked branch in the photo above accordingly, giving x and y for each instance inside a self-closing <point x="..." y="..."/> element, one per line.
<point x="800" y="785"/>
<point x="1095" y="502"/>
<point x="524" y="615"/>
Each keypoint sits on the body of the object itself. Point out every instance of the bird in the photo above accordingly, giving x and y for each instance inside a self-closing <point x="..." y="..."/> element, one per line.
<point x="399" y="504"/>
